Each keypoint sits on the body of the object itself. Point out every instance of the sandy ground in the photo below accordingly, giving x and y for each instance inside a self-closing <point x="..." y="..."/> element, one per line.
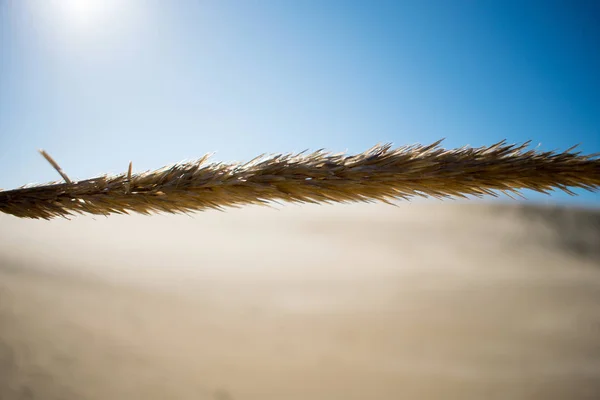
<point x="420" y="301"/>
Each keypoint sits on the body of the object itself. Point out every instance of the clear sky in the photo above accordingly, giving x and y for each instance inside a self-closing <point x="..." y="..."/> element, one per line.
<point x="98" y="83"/>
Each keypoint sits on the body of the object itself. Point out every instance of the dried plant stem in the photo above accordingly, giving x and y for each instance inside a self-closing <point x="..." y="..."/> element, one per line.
<point x="55" y="165"/>
<point x="381" y="173"/>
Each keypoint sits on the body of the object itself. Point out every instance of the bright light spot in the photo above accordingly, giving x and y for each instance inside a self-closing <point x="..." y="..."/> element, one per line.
<point x="86" y="24"/>
<point x="86" y="13"/>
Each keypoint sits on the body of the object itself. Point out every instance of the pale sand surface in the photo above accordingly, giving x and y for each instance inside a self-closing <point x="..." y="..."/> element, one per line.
<point x="420" y="301"/>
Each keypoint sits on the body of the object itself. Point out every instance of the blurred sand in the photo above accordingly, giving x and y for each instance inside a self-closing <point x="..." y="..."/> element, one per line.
<point x="420" y="301"/>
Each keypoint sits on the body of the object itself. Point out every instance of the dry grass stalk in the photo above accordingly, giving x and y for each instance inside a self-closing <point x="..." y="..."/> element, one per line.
<point x="381" y="173"/>
<point x="55" y="165"/>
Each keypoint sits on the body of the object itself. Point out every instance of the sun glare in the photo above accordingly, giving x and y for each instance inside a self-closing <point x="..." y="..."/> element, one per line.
<point x="86" y="21"/>
<point x="84" y="13"/>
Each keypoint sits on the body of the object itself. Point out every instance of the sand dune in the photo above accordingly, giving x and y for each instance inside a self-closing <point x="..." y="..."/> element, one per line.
<point x="420" y="301"/>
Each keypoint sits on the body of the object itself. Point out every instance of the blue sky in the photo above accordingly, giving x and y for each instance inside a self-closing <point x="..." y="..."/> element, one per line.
<point x="98" y="83"/>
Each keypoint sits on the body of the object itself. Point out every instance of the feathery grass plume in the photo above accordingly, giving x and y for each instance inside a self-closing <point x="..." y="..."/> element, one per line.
<point x="381" y="173"/>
